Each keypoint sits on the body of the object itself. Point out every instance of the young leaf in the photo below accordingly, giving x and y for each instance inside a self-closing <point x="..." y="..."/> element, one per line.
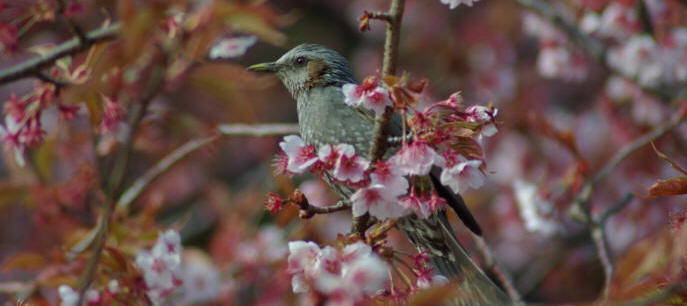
<point x="669" y="187"/>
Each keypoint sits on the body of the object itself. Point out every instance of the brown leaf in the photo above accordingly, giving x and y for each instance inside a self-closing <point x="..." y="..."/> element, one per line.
<point x="669" y="187"/>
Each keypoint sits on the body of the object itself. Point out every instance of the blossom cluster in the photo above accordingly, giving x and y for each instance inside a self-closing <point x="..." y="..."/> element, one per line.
<point x="161" y="266"/>
<point x="652" y="63"/>
<point x="345" y="276"/>
<point x="442" y="137"/>
<point x="557" y="58"/>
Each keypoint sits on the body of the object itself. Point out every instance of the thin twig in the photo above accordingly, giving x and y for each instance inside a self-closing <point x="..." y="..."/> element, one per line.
<point x="493" y="265"/>
<point x="597" y="224"/>
<point x="630" y="148"/>
<point x="135" y="190"/>
<point x="258" y="130"/>
<point x="617" y="207"/>
<point x="72" y="46"/>
<point x="153" y="86"/>
<point x="604" y="253"/>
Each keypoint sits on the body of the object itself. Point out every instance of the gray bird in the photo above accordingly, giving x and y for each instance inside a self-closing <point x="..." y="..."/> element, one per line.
<point x="314" y="75"/>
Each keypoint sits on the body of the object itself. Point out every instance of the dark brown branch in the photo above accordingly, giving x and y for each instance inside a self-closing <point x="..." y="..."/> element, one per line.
<point x="75" y="45"/>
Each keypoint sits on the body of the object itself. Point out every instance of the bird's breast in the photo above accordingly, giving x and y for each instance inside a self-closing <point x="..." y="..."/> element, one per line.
<point x="324" y="118"/>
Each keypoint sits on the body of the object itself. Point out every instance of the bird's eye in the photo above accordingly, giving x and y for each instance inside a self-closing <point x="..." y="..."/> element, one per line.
<point x="300" y="61"/>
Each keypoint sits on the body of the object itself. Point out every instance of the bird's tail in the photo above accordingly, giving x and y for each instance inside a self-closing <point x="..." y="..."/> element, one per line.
<point x="434" y="234"/>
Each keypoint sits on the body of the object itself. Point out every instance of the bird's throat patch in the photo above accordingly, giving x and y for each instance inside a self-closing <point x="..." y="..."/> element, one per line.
<point x="316" y="69"/>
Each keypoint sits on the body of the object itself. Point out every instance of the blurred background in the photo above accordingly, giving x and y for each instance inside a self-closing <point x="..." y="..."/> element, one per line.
<point x="562" y="118"/>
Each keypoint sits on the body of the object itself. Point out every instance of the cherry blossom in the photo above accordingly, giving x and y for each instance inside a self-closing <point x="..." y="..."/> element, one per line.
<point x="390" y="177"/>
<point x="68" y="296"/>
<point x="377" y="200"/>
<point x="454" y="3"/>
<point x="232" y="47"/>
<point x="201" y="279"/>
<point x="349" y="166"/>
<point x="462" y="175"/>
<point x="416" y="158"/>
<point x="343" y="276"/>
<point x="300" y="156"/>
<point x="302" y="256"/>
<point x="482" y="114"/>
<point x="533" y="208"/>
<point x="639" y="57"/>
<point x="424" y="205"/>
<point x="11" y="137"/>
<point x="368" y="95"/>
<point x="274" y="203"/>
<point x="161" y="266"/>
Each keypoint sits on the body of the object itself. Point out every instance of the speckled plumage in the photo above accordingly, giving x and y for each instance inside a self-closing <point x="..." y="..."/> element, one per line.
<point x="324" y="118"/>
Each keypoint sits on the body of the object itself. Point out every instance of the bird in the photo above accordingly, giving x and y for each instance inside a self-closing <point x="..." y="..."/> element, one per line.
<point x="314" y="75"/>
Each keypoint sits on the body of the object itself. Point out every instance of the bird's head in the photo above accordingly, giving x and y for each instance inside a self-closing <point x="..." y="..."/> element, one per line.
<point x="308" y="66"/>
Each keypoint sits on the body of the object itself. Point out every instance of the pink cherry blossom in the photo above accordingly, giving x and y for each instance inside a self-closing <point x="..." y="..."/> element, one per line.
<point x="274" y="203"/>
<point x="377" y="200"/>
<point x="161" y="266"/>
<point x="416" y="158"/>
<point x="300" y="156"/>
<point x="462" y="175"/>
<point x="368" y="95"/>
<point x="423" y="205"/>
<point x="391" y="177"/>
<point x="232" y="47"/>
<point x="482" y="114"/>
<point x="349" y="166"/>
<point x="302" y="256"/>
<point x="534" y="209"/>
<point x="68" y="296"/>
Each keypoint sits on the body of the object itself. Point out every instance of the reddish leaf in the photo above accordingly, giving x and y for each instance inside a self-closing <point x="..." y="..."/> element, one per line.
<point x="669" y="187"/>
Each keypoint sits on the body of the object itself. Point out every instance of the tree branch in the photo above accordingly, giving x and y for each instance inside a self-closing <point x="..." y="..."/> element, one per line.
<point x="258" y="130"/>
<point x="595" y="48"/>
<point x="164" y="164"/>
<point x="75" y="45"/>
<point x="597" y="224"/>
<point x="152" y="87"/>
<point x="393" y="33"/>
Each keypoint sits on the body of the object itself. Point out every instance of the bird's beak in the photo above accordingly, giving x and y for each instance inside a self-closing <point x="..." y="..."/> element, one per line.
<point x="264" y="67"/>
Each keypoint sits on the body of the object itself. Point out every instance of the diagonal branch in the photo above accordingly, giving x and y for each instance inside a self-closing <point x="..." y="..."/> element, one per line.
<point x="580" y="208"/>
<point x="75" y="45"/>
<point x="256" y="130"/>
